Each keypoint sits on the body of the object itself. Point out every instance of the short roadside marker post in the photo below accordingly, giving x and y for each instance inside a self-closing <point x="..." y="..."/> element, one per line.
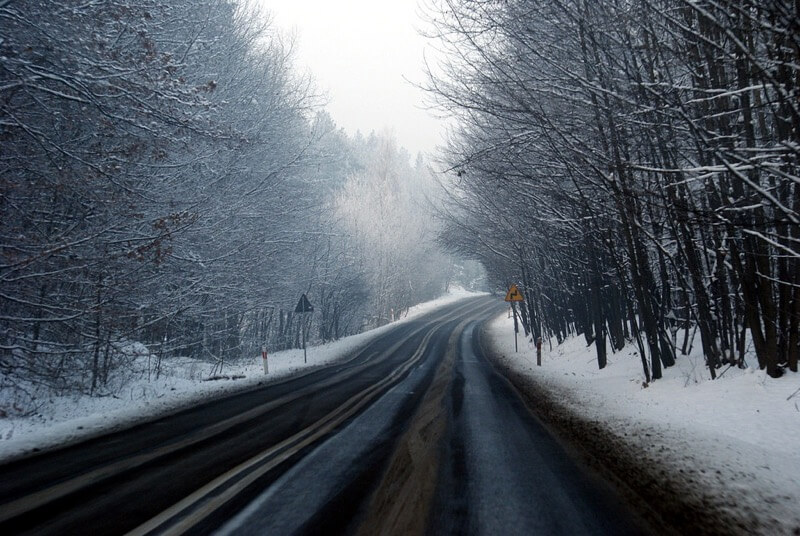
<point x="514" y="295"/>
<point x="264" y="359"/>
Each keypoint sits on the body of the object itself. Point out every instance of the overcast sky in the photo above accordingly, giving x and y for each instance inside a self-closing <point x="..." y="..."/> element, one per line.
<point x="359" y="52"/>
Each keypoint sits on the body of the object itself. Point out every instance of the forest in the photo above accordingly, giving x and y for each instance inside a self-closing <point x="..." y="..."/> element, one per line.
<point x="167" y="177"/>
<point x="633" y="166"/>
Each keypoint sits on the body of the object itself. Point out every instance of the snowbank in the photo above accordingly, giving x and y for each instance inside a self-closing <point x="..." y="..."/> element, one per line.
<point x="183" y="382"/>
<point x="735" y="439"/>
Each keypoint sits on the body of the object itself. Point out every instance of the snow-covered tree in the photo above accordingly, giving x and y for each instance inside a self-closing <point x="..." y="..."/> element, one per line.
<point x="640" y="159"/>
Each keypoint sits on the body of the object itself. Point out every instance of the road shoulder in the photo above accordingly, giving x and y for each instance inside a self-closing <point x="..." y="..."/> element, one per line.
<point x="653" y="468"/>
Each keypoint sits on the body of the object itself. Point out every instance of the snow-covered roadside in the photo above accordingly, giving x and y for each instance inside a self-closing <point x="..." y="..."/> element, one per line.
<point x="734" y="441"/>
<point x="63" y="420"/>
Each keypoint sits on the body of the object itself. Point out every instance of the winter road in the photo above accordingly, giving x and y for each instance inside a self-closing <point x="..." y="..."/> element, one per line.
<point x="415" y="433"/>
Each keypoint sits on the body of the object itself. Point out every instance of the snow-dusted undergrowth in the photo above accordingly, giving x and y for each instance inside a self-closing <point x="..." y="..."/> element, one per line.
<point x="738" y="436"/>
<point x="65" y="419"/>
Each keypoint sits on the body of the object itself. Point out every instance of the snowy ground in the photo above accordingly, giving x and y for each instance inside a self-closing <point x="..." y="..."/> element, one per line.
<point x="62" y="420"/>
<point x="736" y="440"/>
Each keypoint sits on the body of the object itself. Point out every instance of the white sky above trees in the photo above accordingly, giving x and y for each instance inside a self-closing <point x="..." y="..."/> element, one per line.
<point x="360" y="53"/>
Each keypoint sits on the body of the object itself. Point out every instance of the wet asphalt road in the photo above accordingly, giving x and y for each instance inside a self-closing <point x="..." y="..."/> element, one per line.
<point x="504" y="473"/>
<point x="315" y="454"/>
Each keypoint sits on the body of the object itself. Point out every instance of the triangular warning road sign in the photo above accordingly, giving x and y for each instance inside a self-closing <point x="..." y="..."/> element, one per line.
<point x="304" y="306"/>
<point x="514" y="294"/>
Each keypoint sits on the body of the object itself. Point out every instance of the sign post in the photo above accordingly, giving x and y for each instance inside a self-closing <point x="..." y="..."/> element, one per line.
<point x="264" y="359"/>
<point x="514" y="295"/>
<point x="304" y="306"/>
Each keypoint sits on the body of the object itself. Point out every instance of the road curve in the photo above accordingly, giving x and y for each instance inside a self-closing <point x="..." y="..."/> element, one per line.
<point x="471" y="460"/>
<point x="413" y="433"/>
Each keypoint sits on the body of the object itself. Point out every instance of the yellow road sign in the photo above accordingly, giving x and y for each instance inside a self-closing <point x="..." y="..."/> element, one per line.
<point x="514" y="294"/>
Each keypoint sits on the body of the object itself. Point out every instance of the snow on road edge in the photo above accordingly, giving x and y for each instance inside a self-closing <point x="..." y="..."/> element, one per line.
<point x="736" y="439"/>
<point x="68" y="419"/>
